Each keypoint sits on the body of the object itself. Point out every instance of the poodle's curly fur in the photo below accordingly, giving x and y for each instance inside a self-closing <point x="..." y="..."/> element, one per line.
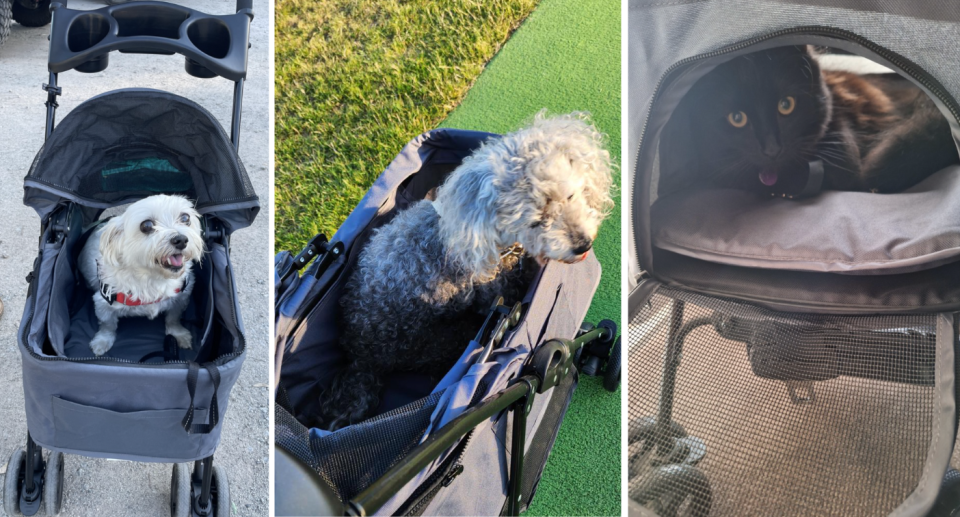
<point x="424" y="281"/>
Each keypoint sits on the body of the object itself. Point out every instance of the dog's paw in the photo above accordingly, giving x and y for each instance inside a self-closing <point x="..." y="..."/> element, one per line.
<point x="182" y="335"/>
<point x="101" y="343"/>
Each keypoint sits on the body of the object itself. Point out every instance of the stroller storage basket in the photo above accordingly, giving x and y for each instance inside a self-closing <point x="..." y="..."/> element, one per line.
<point x="415" y="408"/>
<point x="763" y="413"/>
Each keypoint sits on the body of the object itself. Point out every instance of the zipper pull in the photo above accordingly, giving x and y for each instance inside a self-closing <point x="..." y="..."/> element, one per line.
<point x="452" y="474"/>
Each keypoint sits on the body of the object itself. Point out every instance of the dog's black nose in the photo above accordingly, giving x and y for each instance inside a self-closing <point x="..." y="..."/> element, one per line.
<point x="179" y="241"/>
<point x="583" y="246"/>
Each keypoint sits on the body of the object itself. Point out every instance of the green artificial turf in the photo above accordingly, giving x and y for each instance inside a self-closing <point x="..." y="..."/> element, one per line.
<point x="566" y="57"/>
<point x="355" y="81"/>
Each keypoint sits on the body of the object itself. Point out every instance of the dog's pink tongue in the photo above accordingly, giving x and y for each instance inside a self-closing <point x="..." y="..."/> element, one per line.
<point x="176" y="260"/>
<point x="768" y="177"/>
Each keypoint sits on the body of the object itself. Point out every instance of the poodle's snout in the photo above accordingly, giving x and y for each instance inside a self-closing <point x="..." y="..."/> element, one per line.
<point x="179" y="241"/>
<point x="583" y="245"/>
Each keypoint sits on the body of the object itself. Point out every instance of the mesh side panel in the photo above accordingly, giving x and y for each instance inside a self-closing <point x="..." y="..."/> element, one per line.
<point x="353" y="457"/>
<point x="738" y="443"/>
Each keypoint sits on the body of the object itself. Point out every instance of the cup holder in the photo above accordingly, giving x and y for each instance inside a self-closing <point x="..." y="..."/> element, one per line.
<point x="149" y="20"/>
<point x="211" y="36"/>
<point x="86" y="31"/>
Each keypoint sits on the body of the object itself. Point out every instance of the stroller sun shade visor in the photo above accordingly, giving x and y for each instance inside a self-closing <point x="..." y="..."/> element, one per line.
<point x="122" y="146"/>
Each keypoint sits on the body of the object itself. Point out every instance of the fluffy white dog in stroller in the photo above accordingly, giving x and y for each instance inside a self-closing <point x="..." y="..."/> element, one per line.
<point x="139" y="264"/>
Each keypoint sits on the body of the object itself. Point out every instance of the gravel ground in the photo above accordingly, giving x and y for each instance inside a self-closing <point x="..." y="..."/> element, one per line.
<point x="102" y="487"/>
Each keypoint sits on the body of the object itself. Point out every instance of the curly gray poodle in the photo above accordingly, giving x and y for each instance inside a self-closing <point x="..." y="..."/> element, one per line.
<point x="425" y="279"/>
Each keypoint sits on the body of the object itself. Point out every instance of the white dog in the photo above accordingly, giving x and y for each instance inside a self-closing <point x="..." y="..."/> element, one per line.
<point x="139" y="264"/>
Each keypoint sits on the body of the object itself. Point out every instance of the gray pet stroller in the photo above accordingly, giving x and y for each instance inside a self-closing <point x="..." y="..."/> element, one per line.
<point x="791" y="357"/>
<point x="146" y="399"/>
<point x="437" y="446"/>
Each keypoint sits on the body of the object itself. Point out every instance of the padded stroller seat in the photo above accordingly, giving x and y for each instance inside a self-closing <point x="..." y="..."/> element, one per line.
<point x="839" y="232"/>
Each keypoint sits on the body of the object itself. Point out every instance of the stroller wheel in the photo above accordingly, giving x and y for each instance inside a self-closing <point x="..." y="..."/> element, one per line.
<point x="948" y="500"/>
<point x="36" y="17"/>
<point x="11" y="482"/>
<point x="611" y="375"/>
<point x="53" y="484"/>
<point x="180" y="502"/>
<point x="220" y="488"/>
<point x="612" y="327"/>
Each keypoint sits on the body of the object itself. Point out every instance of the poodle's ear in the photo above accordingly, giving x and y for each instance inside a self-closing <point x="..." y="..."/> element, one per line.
<point x="467" y="207"/>
<point x="110" y="241"/>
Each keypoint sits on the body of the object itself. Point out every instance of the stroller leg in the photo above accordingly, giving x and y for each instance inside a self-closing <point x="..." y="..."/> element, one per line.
<point x="514" y="494"/>
<point x="30" y="494"/>
<point x="202" y="476"/>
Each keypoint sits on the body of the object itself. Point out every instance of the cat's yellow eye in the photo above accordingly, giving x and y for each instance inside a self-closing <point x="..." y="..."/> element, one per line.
<point x="786" y="105"/>
<point x="738" y="119"/>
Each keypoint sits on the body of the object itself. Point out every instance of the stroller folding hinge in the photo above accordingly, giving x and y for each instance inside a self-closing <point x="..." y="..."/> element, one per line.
<point x="315" y="247"/>
<point x="52" y="93"/>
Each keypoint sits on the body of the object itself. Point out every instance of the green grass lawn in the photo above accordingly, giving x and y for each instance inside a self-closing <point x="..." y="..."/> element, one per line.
<point x="566" y="57"/>
<point x="357" y="80"/>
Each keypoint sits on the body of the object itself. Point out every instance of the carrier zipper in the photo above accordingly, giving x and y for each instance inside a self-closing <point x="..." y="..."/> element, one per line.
<point x="438" y="480"/>
<point x="903" y="64"/>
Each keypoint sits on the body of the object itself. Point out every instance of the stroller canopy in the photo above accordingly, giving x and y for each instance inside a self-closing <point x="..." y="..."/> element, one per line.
<point x="125" y="145"/>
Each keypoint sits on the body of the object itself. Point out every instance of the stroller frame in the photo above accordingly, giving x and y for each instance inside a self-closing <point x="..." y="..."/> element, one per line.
<point x="33" y="473"/>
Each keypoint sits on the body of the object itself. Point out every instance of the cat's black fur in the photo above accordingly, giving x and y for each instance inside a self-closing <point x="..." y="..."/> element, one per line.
<point x="877" y="133"/>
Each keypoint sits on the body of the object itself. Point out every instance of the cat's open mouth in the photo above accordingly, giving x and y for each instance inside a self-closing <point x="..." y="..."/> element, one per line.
<point x="768" y="177"/>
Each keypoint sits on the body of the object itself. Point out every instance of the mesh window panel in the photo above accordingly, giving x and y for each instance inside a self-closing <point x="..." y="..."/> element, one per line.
<point x="353" y="457"/>
<point x="776" y="413"/>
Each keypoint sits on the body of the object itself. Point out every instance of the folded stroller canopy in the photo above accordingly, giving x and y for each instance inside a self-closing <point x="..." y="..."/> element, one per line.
<point x="124" y="145"/>
<point x="840" y="232"/>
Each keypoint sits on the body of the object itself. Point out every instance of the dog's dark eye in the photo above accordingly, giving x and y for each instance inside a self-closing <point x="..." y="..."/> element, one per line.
<point x="184" y="218"/>
<point x="570" y="197"/>
<point x="146" y="226"/>
<point x="537" y="224"/>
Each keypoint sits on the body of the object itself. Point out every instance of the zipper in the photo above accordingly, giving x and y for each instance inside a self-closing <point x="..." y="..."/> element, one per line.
<point x="438" y="481"/>
<point x="903" y="65"/>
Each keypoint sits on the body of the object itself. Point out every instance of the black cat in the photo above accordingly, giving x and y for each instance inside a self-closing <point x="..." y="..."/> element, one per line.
<point x="756" y="121"/>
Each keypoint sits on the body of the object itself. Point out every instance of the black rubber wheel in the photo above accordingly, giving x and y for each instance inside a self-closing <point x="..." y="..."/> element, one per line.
<point x="612" y="327"/>
<point x="948" y="500"/>
<point x="181" y="504"/>
<point x="11" y="481"/>
<point x="220" y="490"/>
<point x="6" y="18"/>
<point x="53" y="484"/>
<point x="611" y="374"/>
<point x="32" y="17"/>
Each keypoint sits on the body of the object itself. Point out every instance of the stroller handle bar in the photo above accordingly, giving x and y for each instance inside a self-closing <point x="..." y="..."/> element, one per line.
<point x="212" y="45"/>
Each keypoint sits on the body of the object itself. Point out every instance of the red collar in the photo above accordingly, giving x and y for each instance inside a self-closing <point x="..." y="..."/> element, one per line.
<point x="123" y="299"/>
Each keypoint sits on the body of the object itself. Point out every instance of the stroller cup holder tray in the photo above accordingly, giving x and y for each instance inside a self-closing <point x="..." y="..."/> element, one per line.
<point x="212" y="45"/>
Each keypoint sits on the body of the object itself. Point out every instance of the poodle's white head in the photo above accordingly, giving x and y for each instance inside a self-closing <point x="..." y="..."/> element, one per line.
<point x="546" y="187"/>
<point x="157" y="237"/>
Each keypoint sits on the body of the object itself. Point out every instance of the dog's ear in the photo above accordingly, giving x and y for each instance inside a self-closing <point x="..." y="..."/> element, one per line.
<point x="467" y="217"/>
<point x="110" y="241"/>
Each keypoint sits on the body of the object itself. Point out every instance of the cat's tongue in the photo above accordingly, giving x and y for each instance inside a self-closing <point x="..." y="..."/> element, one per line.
<point x="768" y="177"/>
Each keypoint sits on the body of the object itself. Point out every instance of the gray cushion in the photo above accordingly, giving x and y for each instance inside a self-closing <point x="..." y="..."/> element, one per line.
<point x="841" y="232"/>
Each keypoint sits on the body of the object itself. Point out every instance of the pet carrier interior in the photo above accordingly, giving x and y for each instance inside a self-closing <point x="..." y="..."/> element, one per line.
<point x="436" y="446"/>
<point x="788" y="356"/>
<point x="146" y="399"/>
